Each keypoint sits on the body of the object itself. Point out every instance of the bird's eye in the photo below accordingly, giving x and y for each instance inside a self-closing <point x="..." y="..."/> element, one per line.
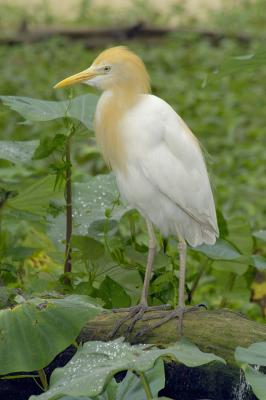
<point x="107" y="68"/>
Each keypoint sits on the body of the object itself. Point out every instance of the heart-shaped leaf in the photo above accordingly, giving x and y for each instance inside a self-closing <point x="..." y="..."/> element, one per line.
<point x="221" y="250"/>
<point x="18" y="152"/>
<point x="81" y="108"/>
<point x="91" y="201"/>
<point x="93" y="366"/>
<point x="257" y="381"/>
<point x="255" y="354"/>
<point x="36" y="330"/>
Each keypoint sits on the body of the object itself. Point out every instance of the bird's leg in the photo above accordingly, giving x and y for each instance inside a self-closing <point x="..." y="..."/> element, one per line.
<point x="135" y="313"/>
<point x="182" y="247"/>
<point x="180" y="310"/>
<point x="150" y="259"/>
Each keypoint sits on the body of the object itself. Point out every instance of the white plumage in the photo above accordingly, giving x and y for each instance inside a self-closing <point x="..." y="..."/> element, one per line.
<point x="166" y="178"/>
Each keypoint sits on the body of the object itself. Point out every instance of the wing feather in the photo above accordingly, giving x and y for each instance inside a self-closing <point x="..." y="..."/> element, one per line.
<point x="177" y="168"/>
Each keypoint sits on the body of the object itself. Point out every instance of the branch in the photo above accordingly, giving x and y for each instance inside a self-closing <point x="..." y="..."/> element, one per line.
<point x="68" y="197"/>
<point x="217" y="331"/>
<point x="99" y="36"/>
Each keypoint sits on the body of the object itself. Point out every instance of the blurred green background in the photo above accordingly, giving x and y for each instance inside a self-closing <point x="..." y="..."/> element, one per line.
<point x="217" y="85"/>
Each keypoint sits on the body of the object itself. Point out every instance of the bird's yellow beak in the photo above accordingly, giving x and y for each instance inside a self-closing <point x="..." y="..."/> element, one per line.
<point x="82" y="76"/>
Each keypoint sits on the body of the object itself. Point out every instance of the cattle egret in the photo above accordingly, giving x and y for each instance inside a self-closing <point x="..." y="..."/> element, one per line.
<point x="157" y="161"/>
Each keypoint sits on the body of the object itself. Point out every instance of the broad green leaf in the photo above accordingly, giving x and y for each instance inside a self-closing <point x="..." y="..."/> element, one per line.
<point x="36" y="197"/>
<point x="19" y="253"/>
<point x="101" y="227"/>
<point x="47" y="145"/>
<point x="259" y="262"/>
<point x="221" y="250"/>
<point x="93" y="366"/>
<point x="261" y="234"/>
<point x="129" y="279"/>
<point x="131" y="387"/>
<point x="230" y="266"/>
<point x="257" y="381"/>
<point x="255" y="354"/>
<point x="89" y="248"/>
<point x="240" y="234"/>
<point x="81" y="108"/>
<point x="35" y="331"/>
<point x="113" y="294"/>
<point x="18" y="152"/>
<point x="91" y="200"/>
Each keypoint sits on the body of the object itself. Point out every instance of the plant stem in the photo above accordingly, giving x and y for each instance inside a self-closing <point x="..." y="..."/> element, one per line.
<point x="43" y="379"/>
<point x="202" y="269"/>
<point x="68" y="197"/>
<point x="145" y="385"/>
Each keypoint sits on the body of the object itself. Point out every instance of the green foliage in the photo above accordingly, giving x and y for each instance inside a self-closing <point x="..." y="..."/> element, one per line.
<point x="93" y="366"/>
<point x="99" y="244"/>
<point x="254" y="355"/>
<point x="36" y="330"/>
<point x="17" y="152"/>
<point x="218" y="90"/>
<point x="33" y="110"/>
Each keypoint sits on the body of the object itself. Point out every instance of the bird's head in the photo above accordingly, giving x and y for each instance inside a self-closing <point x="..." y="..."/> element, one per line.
<point x="116" y="67"/>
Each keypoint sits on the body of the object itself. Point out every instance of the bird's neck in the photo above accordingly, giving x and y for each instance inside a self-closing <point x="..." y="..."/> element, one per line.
<point x="112" y="106"/>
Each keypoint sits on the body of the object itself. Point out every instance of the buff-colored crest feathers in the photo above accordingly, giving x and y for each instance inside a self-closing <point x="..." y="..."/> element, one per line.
<point x="131" y="62"/>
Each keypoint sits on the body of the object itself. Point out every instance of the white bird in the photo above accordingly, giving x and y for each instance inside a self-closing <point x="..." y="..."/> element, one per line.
<point x="157" y="161"/>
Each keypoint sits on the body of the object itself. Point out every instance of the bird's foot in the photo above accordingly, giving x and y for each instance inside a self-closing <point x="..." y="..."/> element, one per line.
<point x="178" y="312"/>
<point x="135" y="314"/>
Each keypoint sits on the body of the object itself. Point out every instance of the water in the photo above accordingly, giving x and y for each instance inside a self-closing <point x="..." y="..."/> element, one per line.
<point x="242" y="390"/>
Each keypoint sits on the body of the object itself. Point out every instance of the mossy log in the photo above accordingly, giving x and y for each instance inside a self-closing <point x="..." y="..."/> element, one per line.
<point x="216" y="331"/>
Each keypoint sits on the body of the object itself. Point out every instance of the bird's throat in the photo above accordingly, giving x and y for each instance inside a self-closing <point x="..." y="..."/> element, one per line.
<point x="111" y="108"/>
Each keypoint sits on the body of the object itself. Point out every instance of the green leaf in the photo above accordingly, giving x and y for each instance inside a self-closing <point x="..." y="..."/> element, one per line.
<point x="101" y="227"/>
<point x="93" y="366"/>
<point x="255" y="354"/>
<point x="261" y="234"/>
<point x="19" y="253"/>
<point x="48" y="145"/>
<point x="81" y="108"/>
<point x="36" y="197"/>
<point x="259" y="262"/>
<point x="257" y="381"/>
<point x="18" y="152"/>
<point x="113" y="294"/>
<point x="129" y="279"/>
<point x="38" y="329"/>
<point x="221" y="250"/>
<point x="90" y="202"/>
<point x="131" y="387"/>
<point x="240" y="235"/>
<point x="238" y="268"/>
<point x="90" y="248"/>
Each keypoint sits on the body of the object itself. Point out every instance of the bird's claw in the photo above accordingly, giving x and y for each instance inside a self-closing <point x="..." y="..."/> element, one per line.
<point x="135" y="314"/>
<point x="176" y="313"/>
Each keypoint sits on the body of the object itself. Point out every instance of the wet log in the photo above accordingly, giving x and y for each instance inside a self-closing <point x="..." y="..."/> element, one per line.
<point x="215" y="331"/>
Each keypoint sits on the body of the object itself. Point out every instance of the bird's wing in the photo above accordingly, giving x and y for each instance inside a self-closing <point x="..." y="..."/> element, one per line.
<point x="175" y="165"/>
